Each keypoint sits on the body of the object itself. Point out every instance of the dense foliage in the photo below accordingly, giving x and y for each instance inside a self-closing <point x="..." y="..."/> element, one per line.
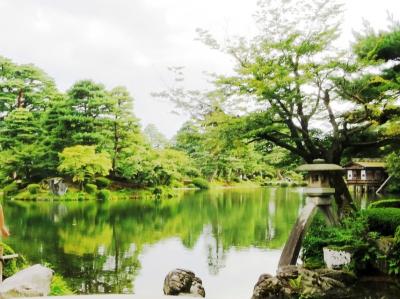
<point x="372" y="237"/>
<point x="299" y="92"/>
<point x="91" y="132"/>
<point x="384" y="220"/>
<point x="257" y="124"/>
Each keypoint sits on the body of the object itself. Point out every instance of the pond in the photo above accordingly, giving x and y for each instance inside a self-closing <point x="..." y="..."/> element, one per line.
<point x="227" y="237"/>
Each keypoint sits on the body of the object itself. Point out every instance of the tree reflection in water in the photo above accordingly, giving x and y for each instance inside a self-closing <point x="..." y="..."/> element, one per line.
<point x="97" y="246"/>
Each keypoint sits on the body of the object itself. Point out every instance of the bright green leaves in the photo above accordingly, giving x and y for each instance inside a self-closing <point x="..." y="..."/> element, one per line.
<point x="83" y="163"/>
<point x="24" y="86"/>
<point x="393" y="164"/>
<point x="19" y="127"/>
<point x="382" y="45"/>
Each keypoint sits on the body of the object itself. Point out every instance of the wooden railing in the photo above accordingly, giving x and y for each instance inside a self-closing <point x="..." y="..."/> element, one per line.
<point x="4" y="258"/>
<point x="365" y="182"/>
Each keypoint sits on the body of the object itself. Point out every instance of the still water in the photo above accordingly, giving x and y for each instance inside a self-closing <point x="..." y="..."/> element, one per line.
<point x="227" y="237"/>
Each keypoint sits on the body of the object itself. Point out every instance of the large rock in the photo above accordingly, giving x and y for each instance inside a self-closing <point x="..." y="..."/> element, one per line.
<point x="267" y="287"/>
<point x="294" y="282"/>
<point x="31" y="282"/>
<point x="57" y="186"/>
<point x="181" y="281"/>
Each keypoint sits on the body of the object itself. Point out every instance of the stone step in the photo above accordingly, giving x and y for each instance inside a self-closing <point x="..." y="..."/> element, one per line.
<point x="114" y="296"/>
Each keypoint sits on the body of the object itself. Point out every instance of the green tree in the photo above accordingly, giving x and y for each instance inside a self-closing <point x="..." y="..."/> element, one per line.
<point x="393" y="165"/>
<point x="125" y="126"/>
<point x="299" y="81"/>
<point x="82" y="163"/>
<point x="217" y="151"/>
<point x="87" y="121"/>
<point x="22" y="154"/>
<point x="19" y="127"/>
<point x="23" y="86"/>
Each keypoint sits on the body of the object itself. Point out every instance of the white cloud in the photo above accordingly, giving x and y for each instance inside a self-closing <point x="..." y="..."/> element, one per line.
<point x="123" y="42"/>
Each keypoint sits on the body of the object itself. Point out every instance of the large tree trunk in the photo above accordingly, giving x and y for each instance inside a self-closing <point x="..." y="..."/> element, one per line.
<point x="343" y="198"/>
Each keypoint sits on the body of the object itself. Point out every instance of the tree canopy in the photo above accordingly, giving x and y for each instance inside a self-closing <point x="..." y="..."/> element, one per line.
<point x="308" y="97"/>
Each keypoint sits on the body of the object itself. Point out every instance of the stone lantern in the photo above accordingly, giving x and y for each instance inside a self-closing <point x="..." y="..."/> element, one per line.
<point x="319" y="196"/>
<point x="319" y="189"/>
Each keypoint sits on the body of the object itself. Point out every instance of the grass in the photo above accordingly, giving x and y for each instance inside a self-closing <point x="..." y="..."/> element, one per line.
<point x="59" y="287"/>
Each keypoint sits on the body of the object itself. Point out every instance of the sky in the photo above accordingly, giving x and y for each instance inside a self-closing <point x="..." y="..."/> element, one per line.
<point x="133" y="42"/>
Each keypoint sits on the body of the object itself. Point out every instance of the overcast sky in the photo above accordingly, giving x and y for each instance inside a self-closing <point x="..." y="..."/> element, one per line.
<point x="132" y="42"/>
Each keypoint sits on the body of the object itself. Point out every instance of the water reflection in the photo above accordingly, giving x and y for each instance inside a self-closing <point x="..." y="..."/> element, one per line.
<point x="228" y="237"/>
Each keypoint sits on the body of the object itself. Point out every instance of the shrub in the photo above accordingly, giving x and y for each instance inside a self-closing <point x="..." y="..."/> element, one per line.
<point x="158" y="191"/>
<point x="33" y="188"/>
<point x="102" y="182"/>
<point x="352" y="234"/>
<point x="91" y="188"/>
<point x="201" y="183"/>
<point x="393" y="186"/>
<point x="266" y="183"/>
<point x="82" y="196"/>
<point x="104" y="194"/>
<point x="69" y="196"/>
<point x="284" y="184"/>
<point x="24" y="196"/>
<point x="10" y="189"/>
<point x="383" y="220"/>
<point x="386" y="203"/>
<point x="59" y="287"/>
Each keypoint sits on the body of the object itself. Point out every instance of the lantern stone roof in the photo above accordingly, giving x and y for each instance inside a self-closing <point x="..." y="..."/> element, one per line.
<point x="319" y="165"/>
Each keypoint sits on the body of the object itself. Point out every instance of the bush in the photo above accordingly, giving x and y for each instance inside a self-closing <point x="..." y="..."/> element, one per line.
<point x="69" y="196"/>
<point x="24" y="196"/>
<point x="201" y="183"/>
<point x="352" y="234"/>
<point x="91" y="188"/>
<point x="158" y="191"/>
<point x="81" y="196"/>
<point x="33" y="188"/>
<point x="102" y="182"/>
<point x="393" y="186"/>
<point x="386" y="203"/>
<point x="383" y="220"/>
<point x="10" y="189"/>
<point x="59" y="287"/>
<point x="104" y="194"/>
<point x="284" y="184"/>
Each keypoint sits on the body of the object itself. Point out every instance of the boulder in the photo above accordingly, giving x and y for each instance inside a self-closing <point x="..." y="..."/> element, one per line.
<point x="267" y="287"/>
<point x="31" y="282"/>
<point x="294" y="282"/>
<point x="57" y="186"/>
<point x="181" y="281"/>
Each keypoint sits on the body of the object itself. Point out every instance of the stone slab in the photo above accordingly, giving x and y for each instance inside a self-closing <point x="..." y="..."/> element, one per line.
<point x="133" y="296"/>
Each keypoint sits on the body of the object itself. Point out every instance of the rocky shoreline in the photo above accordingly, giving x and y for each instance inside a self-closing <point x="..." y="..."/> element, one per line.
<point x="292" y="282"/>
